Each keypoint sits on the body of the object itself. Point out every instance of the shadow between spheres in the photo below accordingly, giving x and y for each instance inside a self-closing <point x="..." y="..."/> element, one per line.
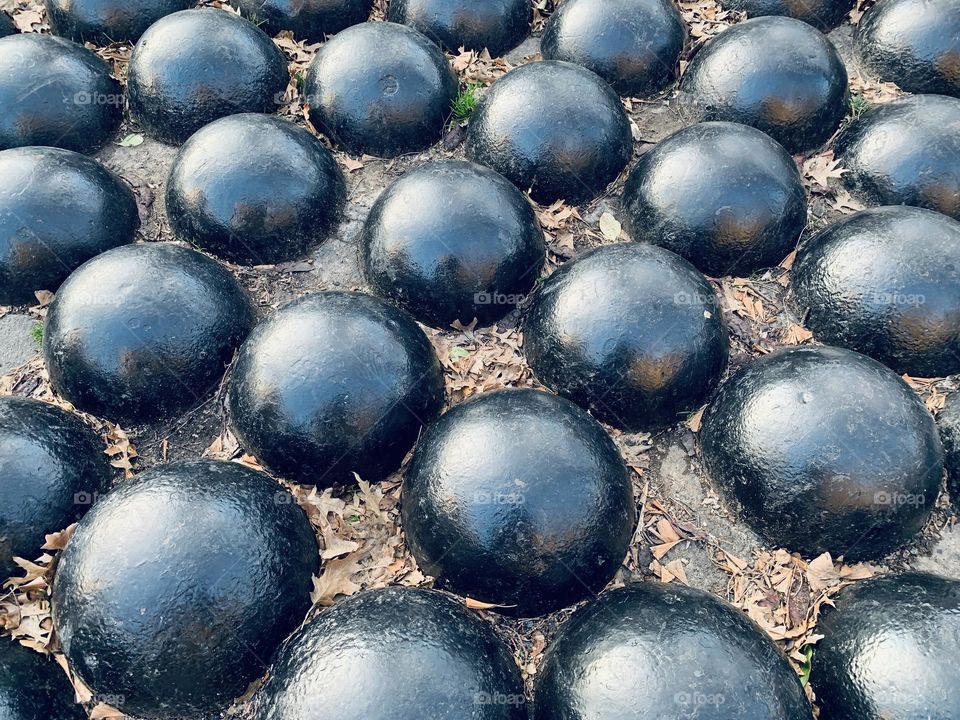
<point x="495" y="25"/>
<point x="103" y="22"/>
<point x="33" y="687"/>
<point x="824" y="15"/>
<point x="948" y="423"/>
<point x="307" y="19"/>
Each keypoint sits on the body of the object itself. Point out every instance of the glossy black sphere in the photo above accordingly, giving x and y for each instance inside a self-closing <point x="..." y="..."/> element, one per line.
<point x="334" y="384"/>
<point x="255" y="208"/>
<point x="143" y="331"/>
<point x="54" y="92"/>
<point x="453" y="241"/>
<point x="652" y="650"/>
<point x="394" y="654"/>
<point x="948" y="422"/>
<point x="825" y="450"/>
<point x="888" y="650"/>
<point x="52" y="467"/>
<point x="634" y="45"/>
<point x="7" y="26"/>
<point x="179" y="585"/>
<point x="776" y="74"/>
<point x="307" y="19"/>
<point x="380" y="88"/>
<point x="518" y="498"/>
<point x="886" y="282"/>
<point x="906" y="152"/>
<point x="107" y="21"/>
<point x="57" y="210"/>
<point x="553" y="128"/>
<point x="33" y="687"/>
<point x="195" y="66"/>
<point x="822" y="14"/>
<point x="497" y="25"/>
<point x="913" y="43"/>
<point x="632" y="332"/>
<point x="726" y="197"/>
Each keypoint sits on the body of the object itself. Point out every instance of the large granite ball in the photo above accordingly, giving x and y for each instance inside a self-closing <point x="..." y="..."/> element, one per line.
<point x="888" y="650"/>
<point x="7" y="26"/>
<point x="144" y="331"/>
<point x="196" y="66"/>
<point x="33" y="687"/>
<point x="822" y="14"/>
<point x="886" y="282"/>
<point x="634" y="45"/>
<point x="255" y="208"/>
<point x="453" y="241"/>
<point x="52" y="468"/>
<point x="518" y="498"/>
<point x="913" y="43"/>
<point x="54" y="92"/>
<point x="334" y="384"/>
<point x="554" y="129"/>
<point x="307" y="19"/>
<point x="380" y="88"/>
<point x="57" y="210"/>
<point x="776" y="74"/>
<point x="726" y="197"/>
<point x="497" y="25"/>
<point x="825" y="450"/>
<point x="650" y="650"/>
<point x="948" y="422"/>
<point x="102" y="22"/>
<point x="394" y="653"/>
<point x="906" y="152"/>
<point x="179" y="584"/>
<point x="632" y="332"/>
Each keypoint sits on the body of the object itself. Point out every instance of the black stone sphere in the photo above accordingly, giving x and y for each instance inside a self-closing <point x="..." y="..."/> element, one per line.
<point x="886" y="282"/>
<point x="396" y="653"/>
<point x="196" y="66"/>
<point x="776" y="74"/>
<point x="518" y="498"/>
<point x="380" y="88"/>
<point x="255" y="208"/>
<point x="453" y="241"/>
<point x="102" y="22"/>
<point x="497" y="25"/>
<point x="889" y="649"/>
<point x="632" y="332"/>
<point x="913" y="43"/>
<point x="54" y="92"/>
<point x="52" y="468"/>
<point x="634" y="45"/>
<point x="725" y="196"/>
<point x="906" y="152"/>
<point x="33" y="687"/>
<point x="334" y="384"/>
<point x="307" y="19"/>
<point x="74" y="208"/>
<point x="822" y="14"/>
<point x="144" y="331"/>
<point x="825" y="450"/>
<point x="650" y="650"/>
<point x="179" y="584"/>
<point x="554" y="129"/>
<point x="7" y="26"/>
<point x="948" y="422"/>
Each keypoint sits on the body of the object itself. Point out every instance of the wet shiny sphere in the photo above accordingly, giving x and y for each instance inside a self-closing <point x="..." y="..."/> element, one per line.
<point x="107" y="21"/>
<point x="776" y="74"/>
<point x="634" y="45"/>
<point x="260" y="207"/>
<point x="887" y="648"/>
<point x="724" y="196"/>
<point x="7" y="26"/>
<point x="33" y="687"/>
<point x="58" y="209"/>
<point x="554" y="129"/>
<point x="196" y="66"/>
<point x="824" y="450"/>
<point x="631" y="332"/>
<point x="699" y="658"/>
<point x="495" y="25"/>
<point x="452" y="241"/>
<point x="57" y="93"/>
<point x="380" y="88"/>
<point x="886" y="282"/>
<point x="144" y="331"/>
<point x="334" y="384"/>
<point x="520" y="499"/>
<point x="307" y="19"/>
<point x="179" y="584"/>
<point x="822" y="14"/>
